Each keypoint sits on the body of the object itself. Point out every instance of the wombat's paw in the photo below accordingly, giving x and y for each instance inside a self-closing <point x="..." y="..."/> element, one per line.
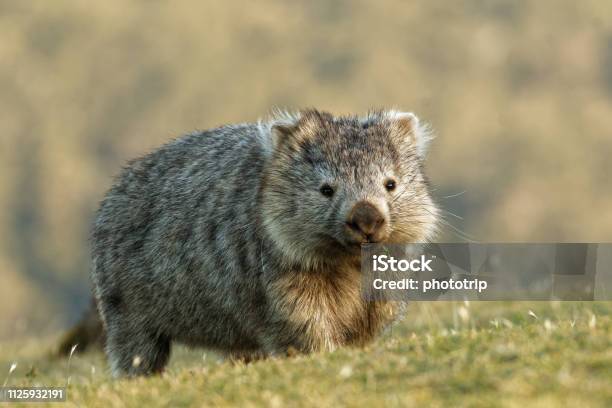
<point x="133" y="354"/>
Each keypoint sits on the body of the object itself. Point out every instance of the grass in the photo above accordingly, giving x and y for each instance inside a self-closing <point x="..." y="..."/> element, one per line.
<point x="443" y="354"/>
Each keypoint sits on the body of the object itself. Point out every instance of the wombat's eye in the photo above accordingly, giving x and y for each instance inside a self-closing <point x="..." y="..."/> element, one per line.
<point x="390" y="185"/>
<point x="327" y="190"/>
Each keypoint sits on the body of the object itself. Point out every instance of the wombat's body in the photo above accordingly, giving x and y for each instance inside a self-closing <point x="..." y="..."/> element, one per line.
<point x="231" y="239"/>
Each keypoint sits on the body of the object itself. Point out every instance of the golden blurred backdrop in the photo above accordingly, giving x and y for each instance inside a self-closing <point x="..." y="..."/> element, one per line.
<point x="519" y="94"/>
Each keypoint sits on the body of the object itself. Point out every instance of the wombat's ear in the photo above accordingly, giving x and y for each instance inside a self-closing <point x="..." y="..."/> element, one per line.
<point x="281" y="133"/>
<point x="408" y="125"/>
<point x="280" y="127"/>
<point x="290" y="129"/>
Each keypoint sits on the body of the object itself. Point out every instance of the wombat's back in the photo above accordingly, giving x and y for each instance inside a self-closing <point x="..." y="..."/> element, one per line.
<point x="175" y="234"/>
<point x="162" y="197"/>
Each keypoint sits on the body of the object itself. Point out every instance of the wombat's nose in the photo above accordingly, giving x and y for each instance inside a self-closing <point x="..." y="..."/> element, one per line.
<point x="365" y="219"/>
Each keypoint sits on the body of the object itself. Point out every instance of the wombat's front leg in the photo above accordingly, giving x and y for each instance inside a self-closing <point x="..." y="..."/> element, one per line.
<point x="133" y="352"/>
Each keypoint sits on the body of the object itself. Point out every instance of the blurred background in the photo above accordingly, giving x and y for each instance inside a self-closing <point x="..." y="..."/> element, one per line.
<point x="519" y="94"/>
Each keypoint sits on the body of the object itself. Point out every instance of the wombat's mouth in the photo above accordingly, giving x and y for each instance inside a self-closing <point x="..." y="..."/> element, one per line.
<point x="332" y="247"/>
<point x="351" y="242"/>
<point x="353" y="247"/>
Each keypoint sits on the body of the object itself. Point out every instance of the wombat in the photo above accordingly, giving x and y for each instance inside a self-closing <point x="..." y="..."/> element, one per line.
<point x="245" y="239"/>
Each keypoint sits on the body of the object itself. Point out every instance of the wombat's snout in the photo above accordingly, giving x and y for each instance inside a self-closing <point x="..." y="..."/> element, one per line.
<point x="366" y="223"/>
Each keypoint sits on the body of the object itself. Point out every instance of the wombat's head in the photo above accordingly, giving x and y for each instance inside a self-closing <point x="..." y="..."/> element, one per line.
<point x="333" y="183"/>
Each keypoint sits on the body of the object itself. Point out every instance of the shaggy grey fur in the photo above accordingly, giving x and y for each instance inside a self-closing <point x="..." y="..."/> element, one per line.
<point x="199" y="241"/>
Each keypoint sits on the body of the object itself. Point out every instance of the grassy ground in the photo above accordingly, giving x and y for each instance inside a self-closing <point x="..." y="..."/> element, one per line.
<point x="443" y="354"/>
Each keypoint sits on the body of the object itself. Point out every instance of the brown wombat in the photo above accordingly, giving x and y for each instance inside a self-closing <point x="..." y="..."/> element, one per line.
<point x="246" y="238"/>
